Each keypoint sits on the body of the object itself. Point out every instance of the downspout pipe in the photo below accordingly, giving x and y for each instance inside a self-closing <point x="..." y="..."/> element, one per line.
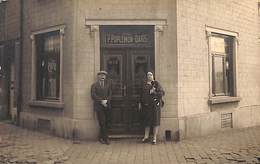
<point x="20" y="74"/>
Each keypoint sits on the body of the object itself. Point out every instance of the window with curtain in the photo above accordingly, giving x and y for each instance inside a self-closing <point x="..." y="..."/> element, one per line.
<point x="222" y="53"/>
<point x="48" y="65"/>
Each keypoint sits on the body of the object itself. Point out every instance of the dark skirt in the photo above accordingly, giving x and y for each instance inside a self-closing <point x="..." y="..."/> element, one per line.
<point x="151" y="115"/>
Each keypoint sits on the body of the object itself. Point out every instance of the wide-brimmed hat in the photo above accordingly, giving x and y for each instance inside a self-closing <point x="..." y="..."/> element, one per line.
<point x="102" y="72"/>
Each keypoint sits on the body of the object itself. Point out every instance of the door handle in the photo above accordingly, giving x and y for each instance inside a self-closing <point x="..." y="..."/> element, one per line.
<point x="124" y="90"/>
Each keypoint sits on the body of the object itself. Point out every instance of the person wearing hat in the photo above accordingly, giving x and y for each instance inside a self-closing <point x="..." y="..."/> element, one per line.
<point x="101" y="94"/>
<point x="151" y="103"/>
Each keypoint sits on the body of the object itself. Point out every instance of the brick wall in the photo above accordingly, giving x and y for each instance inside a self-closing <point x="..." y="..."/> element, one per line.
<point x="193" y="64"/>
<point x="13" y="19"/>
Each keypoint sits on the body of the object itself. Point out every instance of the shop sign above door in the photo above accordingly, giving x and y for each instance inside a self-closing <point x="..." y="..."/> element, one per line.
<point x="133" y="36"/>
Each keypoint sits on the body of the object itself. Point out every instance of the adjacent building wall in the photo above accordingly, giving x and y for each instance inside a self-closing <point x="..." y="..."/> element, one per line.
<point x="9" y="38"/>
<point x="197" y="116"/>
<point x="10" y="20"/>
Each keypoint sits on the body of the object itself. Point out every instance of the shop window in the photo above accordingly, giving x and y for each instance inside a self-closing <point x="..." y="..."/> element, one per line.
<point x="48" y="65"/>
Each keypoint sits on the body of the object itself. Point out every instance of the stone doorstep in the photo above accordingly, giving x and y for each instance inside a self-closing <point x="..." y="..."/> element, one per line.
<point x="125" y="136"/>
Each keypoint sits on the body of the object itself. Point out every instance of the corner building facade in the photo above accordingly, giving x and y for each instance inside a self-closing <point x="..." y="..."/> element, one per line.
<point x="206" y="60"/>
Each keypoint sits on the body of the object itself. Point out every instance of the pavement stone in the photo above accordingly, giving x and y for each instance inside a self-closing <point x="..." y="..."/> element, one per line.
<point x="22" y="146"/>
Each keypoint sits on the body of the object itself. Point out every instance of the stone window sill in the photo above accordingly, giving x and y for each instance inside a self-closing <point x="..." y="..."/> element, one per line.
<point x="46" y="104"/>
<point x="223" y="99"/>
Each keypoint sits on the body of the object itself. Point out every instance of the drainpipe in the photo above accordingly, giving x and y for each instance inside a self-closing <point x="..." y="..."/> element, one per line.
<point x="20" y="73"/>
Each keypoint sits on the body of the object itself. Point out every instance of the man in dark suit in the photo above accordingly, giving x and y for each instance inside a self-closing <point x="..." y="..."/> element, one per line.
<point x="101" y="94"/>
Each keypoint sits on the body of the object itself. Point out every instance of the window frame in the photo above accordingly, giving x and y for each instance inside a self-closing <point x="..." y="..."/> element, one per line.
<point x="42" y="56"/>
<point x="227" y="91"/>
<point x="224" y="98"/>
<point x="45" y="102"/>
<point x="213" y="57"/>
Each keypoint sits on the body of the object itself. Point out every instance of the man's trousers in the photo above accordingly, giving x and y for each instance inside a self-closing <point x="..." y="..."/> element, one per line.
<point x="102" y="116"/>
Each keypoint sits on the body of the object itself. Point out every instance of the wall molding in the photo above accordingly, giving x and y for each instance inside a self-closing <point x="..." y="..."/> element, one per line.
<point x="91" y="22"/>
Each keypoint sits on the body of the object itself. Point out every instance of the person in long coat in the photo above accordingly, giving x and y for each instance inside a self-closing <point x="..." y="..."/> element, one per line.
<point x="151" y="103"/>
<point x="101" y="93"/>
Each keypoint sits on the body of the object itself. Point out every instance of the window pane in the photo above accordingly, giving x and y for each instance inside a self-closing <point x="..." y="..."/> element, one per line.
<point x="229" y="65"/>
<point x="218" y="44"/>
<point x="222" y="64"/>
<point x="218" y="75"/>
<point x="139" y="73"/>
<point x="48" y="57"/>
<point x="229" y="75"/>
<point x="113" y="65"/>
<point x="229" y="45"/>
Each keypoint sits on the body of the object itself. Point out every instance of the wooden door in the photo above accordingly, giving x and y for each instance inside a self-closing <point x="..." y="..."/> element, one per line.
<point x="140" y="61"/>
<point x="127" y="53"/>
<point x="127" y="69"/>
<point x="114" y="62"/>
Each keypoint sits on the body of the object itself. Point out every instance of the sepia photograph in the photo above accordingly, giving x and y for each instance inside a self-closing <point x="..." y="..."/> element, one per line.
<point x="129" y="81"/>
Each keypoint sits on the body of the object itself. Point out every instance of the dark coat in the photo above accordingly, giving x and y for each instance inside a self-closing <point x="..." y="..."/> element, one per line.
<point x="98" y="93"/>
<point x="151" y="103"/>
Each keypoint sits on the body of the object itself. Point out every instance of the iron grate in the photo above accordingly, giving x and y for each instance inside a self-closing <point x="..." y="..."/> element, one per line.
<point x="44" y="125"/>
<point x="226" y="120"/>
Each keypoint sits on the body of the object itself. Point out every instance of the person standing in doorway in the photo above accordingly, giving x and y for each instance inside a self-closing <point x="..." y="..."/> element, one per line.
<point x="151" y="102"/>
<point x="101" y="94"/>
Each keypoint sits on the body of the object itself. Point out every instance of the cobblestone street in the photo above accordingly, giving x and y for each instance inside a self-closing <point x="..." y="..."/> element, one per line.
<point x="19" y="145"/>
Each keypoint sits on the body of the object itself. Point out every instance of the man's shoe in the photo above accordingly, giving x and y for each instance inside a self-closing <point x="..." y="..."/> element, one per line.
<point x="101" y="141"/>
<point x="145" y="140"/>
<point x="154" y="142"/>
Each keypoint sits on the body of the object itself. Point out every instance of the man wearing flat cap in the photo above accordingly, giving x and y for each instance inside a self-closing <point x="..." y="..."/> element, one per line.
<point x="101" y="94"/>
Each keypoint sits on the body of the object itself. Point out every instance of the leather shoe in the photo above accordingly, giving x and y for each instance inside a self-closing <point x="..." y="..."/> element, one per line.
<point x="101" y="141"/>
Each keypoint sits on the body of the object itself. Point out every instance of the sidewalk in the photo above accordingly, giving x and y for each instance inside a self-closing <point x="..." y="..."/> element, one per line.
<point x="19" y="145"/>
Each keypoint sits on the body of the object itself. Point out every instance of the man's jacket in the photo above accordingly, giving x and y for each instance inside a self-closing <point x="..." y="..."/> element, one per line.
<point x="99" y="93"/>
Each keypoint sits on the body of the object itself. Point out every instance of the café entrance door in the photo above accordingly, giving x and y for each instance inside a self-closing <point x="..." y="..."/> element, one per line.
<point x="127" y="60"/>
